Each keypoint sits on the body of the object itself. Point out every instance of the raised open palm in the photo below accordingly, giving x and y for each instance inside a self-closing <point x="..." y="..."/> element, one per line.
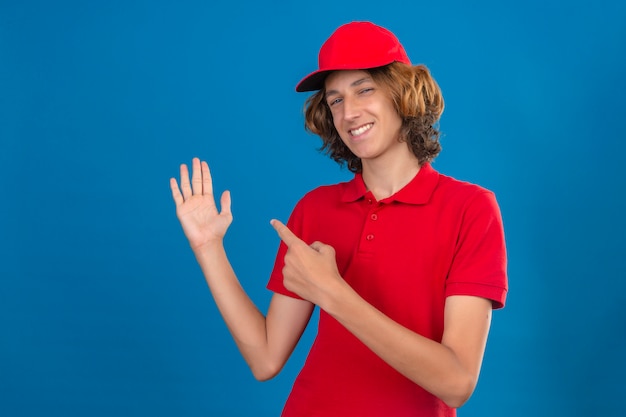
<point x="197" y="212"/>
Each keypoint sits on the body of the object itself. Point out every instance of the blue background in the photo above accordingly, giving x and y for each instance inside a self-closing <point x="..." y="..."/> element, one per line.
<point x="103" y="310"/>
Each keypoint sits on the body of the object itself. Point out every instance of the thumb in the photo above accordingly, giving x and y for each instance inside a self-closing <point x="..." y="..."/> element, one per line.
<point x="225" y="203"/>
<point x="323" y="248"/>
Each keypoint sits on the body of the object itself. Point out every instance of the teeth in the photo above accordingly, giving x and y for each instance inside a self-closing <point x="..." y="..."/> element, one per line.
<point x="360" y="130"/>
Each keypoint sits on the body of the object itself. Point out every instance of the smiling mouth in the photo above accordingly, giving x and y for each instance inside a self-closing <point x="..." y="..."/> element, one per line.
<point x="361" y="130"/>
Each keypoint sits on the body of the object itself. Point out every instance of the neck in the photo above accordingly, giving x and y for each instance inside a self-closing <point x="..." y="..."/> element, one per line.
<point x="384" y="180"/>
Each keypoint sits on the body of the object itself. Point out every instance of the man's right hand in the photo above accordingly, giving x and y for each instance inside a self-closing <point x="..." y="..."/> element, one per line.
<point x="195" y="206"/>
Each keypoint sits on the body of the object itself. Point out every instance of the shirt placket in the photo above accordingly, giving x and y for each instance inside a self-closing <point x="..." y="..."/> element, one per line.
<point x="368" y="241"/>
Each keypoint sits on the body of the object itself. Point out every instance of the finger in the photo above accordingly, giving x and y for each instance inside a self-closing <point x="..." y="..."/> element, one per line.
<point x="178" y="197"/>
<point x="284" y="233"/>
<point x="318" y="246"/>
<point x="323" y="248"/>
<point x="207" y="181"/>
<point x="225" y="203"/>
<point x="196" y="177"/>
<point x="184" y="181"/>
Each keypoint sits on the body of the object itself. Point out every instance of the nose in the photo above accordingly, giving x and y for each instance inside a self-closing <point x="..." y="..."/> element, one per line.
<point x="351" y="108"/>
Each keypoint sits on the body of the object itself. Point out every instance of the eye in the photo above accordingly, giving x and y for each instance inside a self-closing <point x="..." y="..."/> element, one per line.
<point x="366" y="90"/>
<point x="334" y="101"/>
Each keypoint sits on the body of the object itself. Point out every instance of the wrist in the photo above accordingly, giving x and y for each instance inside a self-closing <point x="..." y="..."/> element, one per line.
<point x="208" y="247"/>
<point x="335" y="296"/>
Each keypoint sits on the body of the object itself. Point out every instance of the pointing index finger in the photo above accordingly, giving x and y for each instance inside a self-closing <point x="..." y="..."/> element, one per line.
<point x="284" y="233"/>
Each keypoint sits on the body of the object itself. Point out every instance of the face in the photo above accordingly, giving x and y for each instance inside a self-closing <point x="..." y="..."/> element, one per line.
<point x="365" y="117"/>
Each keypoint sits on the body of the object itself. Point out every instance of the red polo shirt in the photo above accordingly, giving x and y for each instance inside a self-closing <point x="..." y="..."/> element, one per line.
<point x="404" y="254"/>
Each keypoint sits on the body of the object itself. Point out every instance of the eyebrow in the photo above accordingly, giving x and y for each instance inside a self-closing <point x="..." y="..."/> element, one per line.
<point x="354" y="84"/>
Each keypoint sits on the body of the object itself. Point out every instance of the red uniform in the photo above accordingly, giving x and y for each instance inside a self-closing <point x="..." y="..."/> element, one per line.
<point x="404" y="255"/>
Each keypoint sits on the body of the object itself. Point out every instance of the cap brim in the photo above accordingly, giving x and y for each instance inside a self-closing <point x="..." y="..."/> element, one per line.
<point x="313" y="81"/>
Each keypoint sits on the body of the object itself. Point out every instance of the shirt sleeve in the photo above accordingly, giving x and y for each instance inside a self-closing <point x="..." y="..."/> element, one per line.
<point x="295" y="224"/>
<point x="479" y="264"/>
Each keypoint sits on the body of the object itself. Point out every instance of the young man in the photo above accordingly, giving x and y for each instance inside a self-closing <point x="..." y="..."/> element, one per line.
<point x="404" y="263"/>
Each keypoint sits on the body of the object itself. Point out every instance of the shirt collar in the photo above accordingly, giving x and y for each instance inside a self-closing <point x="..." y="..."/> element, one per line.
<point x="417" y="191"/>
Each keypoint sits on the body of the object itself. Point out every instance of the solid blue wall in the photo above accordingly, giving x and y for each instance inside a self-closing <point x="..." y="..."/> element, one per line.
<point x="103" y="310"/>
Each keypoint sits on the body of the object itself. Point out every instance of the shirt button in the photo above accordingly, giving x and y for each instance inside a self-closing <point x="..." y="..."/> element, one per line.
<point x="369" y="201"/>
<point x="374" y="216"/>
<point x="369" y="237"/>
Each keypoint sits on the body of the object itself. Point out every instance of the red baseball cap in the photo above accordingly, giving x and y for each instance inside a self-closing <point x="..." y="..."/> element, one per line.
<point x="354" y="46"/>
